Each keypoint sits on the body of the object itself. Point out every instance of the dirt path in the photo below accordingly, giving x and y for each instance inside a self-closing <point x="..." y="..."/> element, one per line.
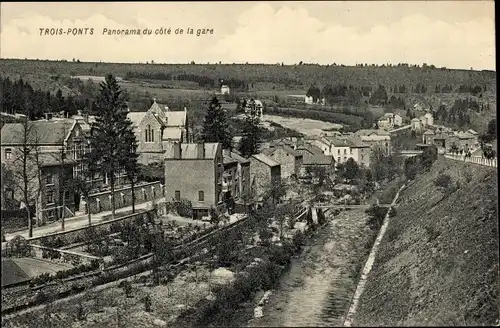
<point x="318" y="287"/>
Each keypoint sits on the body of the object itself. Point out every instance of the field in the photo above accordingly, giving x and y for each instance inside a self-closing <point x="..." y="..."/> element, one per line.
<point x="305" y="126"/>
<point x="438" y="262"/>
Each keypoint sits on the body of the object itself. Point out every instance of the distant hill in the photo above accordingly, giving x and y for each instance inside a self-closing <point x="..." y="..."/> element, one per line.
<point x="287" y="75"/>
<point x="438" y="263"/>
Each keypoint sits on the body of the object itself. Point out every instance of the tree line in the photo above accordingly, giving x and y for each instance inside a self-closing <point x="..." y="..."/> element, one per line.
<point x="20" y="97"/>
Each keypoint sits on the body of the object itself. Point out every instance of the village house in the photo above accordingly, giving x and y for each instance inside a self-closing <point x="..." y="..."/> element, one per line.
<point x="426" y="120"/>
<point x="259" y="107"/>
<point x="157" y="129"/>
<point x="389" y="121"/>
<point x="314" y="156"/>
<point x="264" y="172"/>
<point x="289" y="159"/>
<point x="345" y="148"/>
<point x="415" y="124"/>
<point x="194" y="171"/>
<point x="376" y="139"/>
<point x="236" y="180"/>
<point x="57" y="146"/>
<point x="224" y="89"/>
<point x="448" y="140"/>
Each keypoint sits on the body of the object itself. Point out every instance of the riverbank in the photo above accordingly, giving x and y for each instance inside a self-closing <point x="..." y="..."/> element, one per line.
<point x="316" y="290"/>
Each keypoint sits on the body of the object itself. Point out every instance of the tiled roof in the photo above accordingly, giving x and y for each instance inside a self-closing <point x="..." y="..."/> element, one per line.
<point x="367" y="132"/>
<point x="265" y="159"/>
<point x="136" y="117"/>
<point x="317" y="160"/>
<point x="12" y="273"/>
<point x="289" y="150"/>
<point x="54" y="159"/>
<point x="190" y="151"/>
<point x="47" y="132"/>
<point x="374" y="138"/>
<point x="233" y="155"/>
<point x="310" y="149"/>
<point x="172" y="133"/>
<point x="177" y="118"/>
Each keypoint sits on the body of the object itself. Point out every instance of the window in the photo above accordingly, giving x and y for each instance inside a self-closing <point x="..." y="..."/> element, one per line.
<point x="345" y="151"/>
<point x="338" y="151"/>
<point x="350" y="150"/>
<point x="345" y="158"/>
<point x="66" y="195"/>
<point x="177" y="195"/>
<point x="8" y="153"/>
<point x="338" y="159"/>
<point x="49" y="179"/>
<point x="362" y="157"/>
<point x="149" y="134"/>
<point x="201" y="196"/>
<point x="50" y="197"/>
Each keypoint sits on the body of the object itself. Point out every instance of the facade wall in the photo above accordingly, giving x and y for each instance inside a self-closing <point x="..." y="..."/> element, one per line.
<point x="189" y="176"/>
<point x="261" y="176"/>
<point x="123" y="197"/>
<point x="362" y="155"/>
<point x="342" y="154"/>
<point x="245" y="179"/>
<point x="146" y="147"/>
<point x="287" y="162"/>
<point x="54" y="179"/>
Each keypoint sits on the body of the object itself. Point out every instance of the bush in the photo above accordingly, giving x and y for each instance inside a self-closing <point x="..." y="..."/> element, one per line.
<point x="147" y="303"/>
<point x="376" y="216"/>
<point x="443" y="181"/>
<point x="184" y="208"/>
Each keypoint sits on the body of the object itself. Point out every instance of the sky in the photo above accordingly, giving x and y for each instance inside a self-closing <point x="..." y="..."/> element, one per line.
<point x="454" y="34"/>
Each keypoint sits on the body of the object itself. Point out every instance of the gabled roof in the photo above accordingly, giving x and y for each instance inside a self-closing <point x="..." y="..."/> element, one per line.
<point x="289" y="150"/>
<point x="415" y="120"/>
<point x="190" y="150"/>
<point x="367" y="132"/>
<point x="54" y="159"/>
<point x="172" y="133"/>
<point x="265" y="159"/>
<point x="318" y="160"/>
<point x="47" y="132"/>
<point x="162" y="113"/>
<point x="472" y="131"/>
<point x="12" y="273"/>
<point x="309" y="148"/>
<point x="374" y="138"/>
<point x="428" y="132"/>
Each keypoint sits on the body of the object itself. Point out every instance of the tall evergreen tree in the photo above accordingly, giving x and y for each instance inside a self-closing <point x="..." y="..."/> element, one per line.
<point x="110" y="139"/>
<point x="251" y="140"/>
<point x="216" y="126"/>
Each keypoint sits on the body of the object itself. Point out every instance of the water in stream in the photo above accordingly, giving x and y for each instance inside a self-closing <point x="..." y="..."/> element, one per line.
<point x="317" y="289"/>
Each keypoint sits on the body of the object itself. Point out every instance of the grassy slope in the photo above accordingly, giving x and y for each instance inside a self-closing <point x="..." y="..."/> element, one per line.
<point x="438" y="262"/>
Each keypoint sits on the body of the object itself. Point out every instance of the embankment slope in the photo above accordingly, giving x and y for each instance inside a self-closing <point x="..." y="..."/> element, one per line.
<point x="438" y="261"/>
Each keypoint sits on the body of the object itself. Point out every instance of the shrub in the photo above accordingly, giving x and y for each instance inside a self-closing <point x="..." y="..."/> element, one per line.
<point x="184" y="208"/>
<point x="127" y="288"/>
<point x="376" y="216"/>
<point x="443" y="181"/>
<point x="147" y="303"/>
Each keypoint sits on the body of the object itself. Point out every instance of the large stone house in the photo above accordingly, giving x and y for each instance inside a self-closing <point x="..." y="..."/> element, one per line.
<point x="289" y="159"/>
<point x="236" y="179"/>
<point x="56" y="147"/>
<point x="195" y="171"/>
<point x="345" y="148"/>
<point x="158" y="128"/>
<point x="314" y="156"/>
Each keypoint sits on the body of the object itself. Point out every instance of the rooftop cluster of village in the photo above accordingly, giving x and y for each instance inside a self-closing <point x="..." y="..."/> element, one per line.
<point x="203" y="173"/>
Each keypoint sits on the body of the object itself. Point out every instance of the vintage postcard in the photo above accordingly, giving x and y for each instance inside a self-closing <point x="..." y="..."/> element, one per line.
<point x="258" y="163"/>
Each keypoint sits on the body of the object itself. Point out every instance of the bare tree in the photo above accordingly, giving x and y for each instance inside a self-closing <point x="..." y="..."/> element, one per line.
<point x="26" y="169"/>
<point x="64" y="183"/>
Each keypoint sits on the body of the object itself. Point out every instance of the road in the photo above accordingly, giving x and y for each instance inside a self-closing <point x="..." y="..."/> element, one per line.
<point x="73" y="223"/>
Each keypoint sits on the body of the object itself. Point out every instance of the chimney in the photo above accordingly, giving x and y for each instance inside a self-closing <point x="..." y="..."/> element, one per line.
<point x="200" y="150"/>
<point x="177" y="150"/>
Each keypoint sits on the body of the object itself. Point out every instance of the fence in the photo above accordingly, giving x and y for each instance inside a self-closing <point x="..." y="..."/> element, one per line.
<point x="473" y="159"/>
